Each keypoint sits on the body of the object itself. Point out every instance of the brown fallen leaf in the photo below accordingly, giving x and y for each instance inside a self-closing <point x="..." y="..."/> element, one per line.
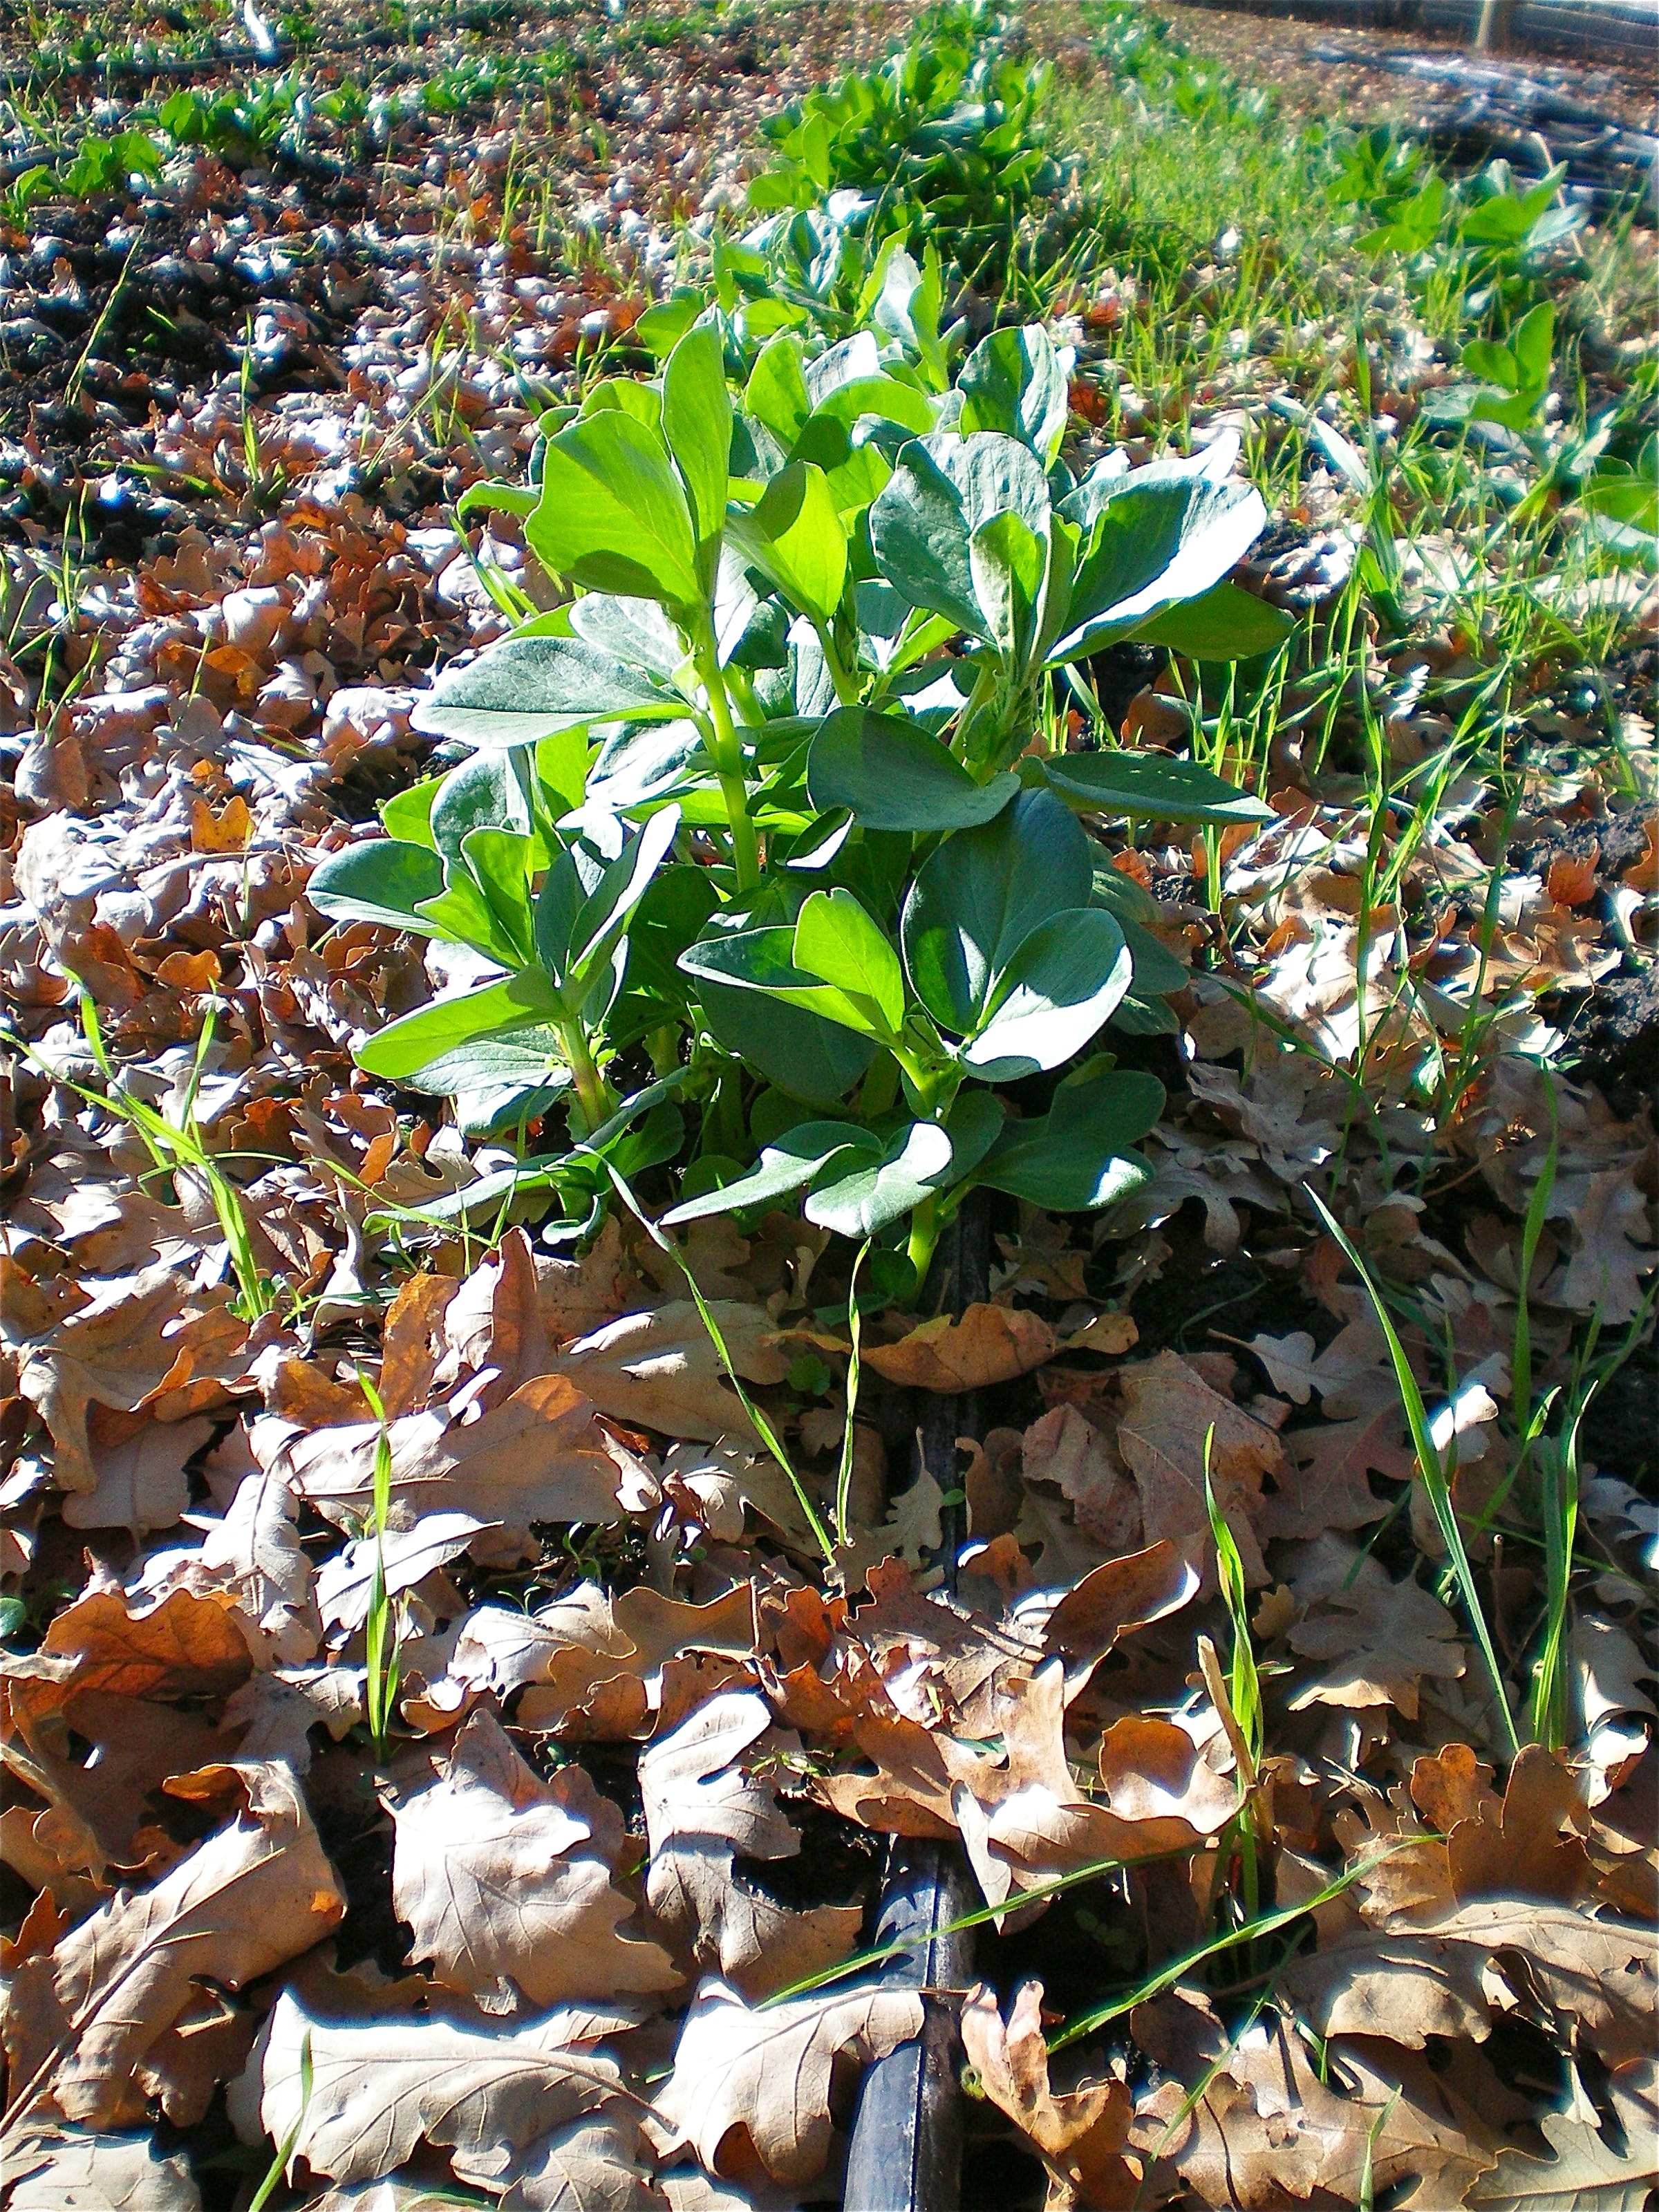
<point x="380" y="2088"/>
<point x="167" y="1649"/>
<point x="989" y="1344"/>
<point x="1327" y="1484"/>
<point x="1267" y="2131"/>
<point x="701" y="1809"/>
<point x="1600" y="1973"/>
<point x="254" y="1555"/>
<point x="598" y="1667"/>
<point x="141" y="1480"/>
<point x="539" y="1456"/>
<point x="84" y="2021"/>
<point x="1079" y="2133"/>
<point x="1376" y="1638"/>
<point x="1064" y="1447"/>
<point x="68" y="2170"/>
<point x="1113" y="1599"/>
<point x="96" y="1759"/>
<point x="1168" y="1410"/>
<point x="1590" y="2171"/>
<point x="505" y="1879"/>
<point x="659" y="1369"/>
<point x="694" y="1782"/>
<point x="750" y="2092"/>
<point x="78" y="1349"/>
<point x="595" y="2165"/>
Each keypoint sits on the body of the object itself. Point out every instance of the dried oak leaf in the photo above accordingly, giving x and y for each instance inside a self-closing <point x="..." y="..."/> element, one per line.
<point x="1590" y="2171"/>
<point x="1602" y="1974"/>
<point x="701" y="1809"/>
<point x="68" y="2170"/>
<point x="254" y="1555"/>
<point x="1376" y="1638"/>
<point x="504" y="1878"/>
<point x="256" y="1892"/>
<point x="98" y="1797"/>
<point x="77" y="1348"/>
<point x="597" y="1666"/>
<point x="381" y="2087"/>
<point x="660" y="1370"/>
<point x="750" y="2092"/>
<point x="141" y="1480"/>
<point x="1079" y="2133"/>
<point x="1064" y="1447"/>
<point x="1327" y="1484"/>
<point x="539" y="1456"/>
<point x="1168" y="1410"/>
<point x="166" y="1650"/>
<point x="989" y="1344"/>
<point x="592" y="2166"/>
<point x="1266" y="2131"/>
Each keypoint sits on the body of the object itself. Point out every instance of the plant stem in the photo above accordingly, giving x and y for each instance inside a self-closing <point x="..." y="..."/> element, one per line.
<point x="594" y="1094"/>
<point x="728" y="764"/>
<point x="925" y="1226"/>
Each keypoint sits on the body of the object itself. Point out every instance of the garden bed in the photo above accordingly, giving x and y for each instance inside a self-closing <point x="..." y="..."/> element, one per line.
<point x="830" y="954"/>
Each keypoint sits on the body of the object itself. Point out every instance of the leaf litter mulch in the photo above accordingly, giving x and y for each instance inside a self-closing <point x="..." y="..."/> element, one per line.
<point x="642" y="1760"/>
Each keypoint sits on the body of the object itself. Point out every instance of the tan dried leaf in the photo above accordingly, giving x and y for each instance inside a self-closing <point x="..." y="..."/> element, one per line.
<point x="140" y="1481"/>
<point x="1267" y="2131"/>
<point x="504" y="1878"/>
<point x="255" y="1554"/>
<point x="1589" y="2172"/>
<point x="989" y="1344"/>
<point x="382" y="2087"/>
<point x="540" y="1456"/>
<point x="1375" y="1639"/>
<point x="592" y="2166"/>
<point x="68" y="2170"/>
<point x="660" y="1370"/>
<point x="1168" y="1410"/>
<point x="694" y="1782"/>
<point x="1080" y="2134"/>
<point x="107" y="1348"/>
<point x="256" y="1892"/>
<point x="750" y="2092"/>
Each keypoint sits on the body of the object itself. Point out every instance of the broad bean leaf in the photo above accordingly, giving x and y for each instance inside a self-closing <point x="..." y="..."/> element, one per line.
<point x="485" y="792"/>
<point x="1078" y="1155"/>
<point x="1062" y="982"/>
<point x="1013" y="382"/>
<point x="1149" y="785"/>
<point x="944" y="489"/>
<point x="383" y="882"/>
<point x="981" y="893"/>
<point x="806" y="1056"/>
<point x="697" y="421"/>
<point x="914" y="1165"/>
<point x="613" y="514"/>
<point x="837" y="940"/>
<point x="793" y="535"/>
<point x="1226" y="622"/>
<point x="893" y="776"/>
<point x="787" y="1166"/>
<point x="764" y="960"/>
<point x="1152" y="537"/>
<point x="414" y="1043"/>
<point x="526" y="687"/>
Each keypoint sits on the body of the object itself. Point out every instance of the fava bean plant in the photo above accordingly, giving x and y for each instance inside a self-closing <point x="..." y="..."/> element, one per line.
<point x="768" y="842"/>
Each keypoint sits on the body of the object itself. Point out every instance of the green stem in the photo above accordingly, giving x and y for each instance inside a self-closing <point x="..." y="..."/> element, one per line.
<point x="592" y="1092"/>
<point x="925" y="1226"/>
<point x="728" y="765"/>
<point x="846" y="683"/>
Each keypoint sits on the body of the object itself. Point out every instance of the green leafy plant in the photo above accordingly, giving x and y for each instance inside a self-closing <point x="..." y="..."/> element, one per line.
<point x="780" y="807"/>
<point x="945" y="141"/>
